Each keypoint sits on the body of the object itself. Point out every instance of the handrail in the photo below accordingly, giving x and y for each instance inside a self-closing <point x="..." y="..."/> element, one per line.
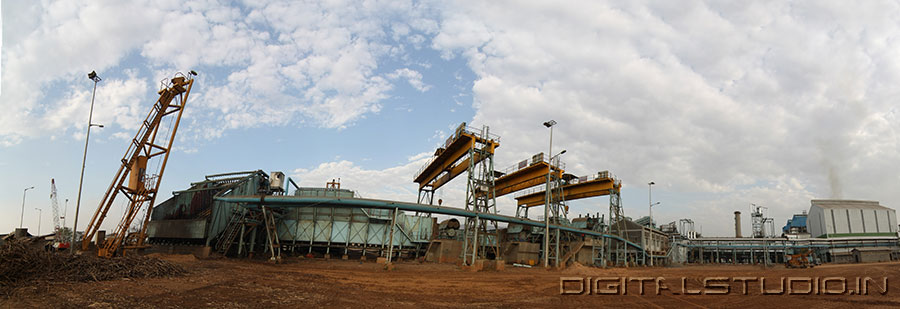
<point x="582" y="179"/>
<point x="524" y="164"/>
<point x="453" y="137"/>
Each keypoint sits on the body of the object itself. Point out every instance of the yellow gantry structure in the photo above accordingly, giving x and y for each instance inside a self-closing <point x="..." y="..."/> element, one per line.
<point x="525" y="177"/>
<point x="575" y="188"/>
<point x="452" y="159"/>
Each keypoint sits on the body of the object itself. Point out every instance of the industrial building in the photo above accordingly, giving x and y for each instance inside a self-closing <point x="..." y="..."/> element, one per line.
<point x="256" y="213"/>
<point x="253" y="213"/>
<point x="849" y="218"/>
<point x="796" y="227"/>
<point x="834" y="231"/>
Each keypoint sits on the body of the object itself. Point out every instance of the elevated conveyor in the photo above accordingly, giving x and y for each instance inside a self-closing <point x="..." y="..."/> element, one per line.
<point x="448" y="161"/>
<point x="523" y="175"/>
<point x="307" y="201"/>
<point x="575" y="188"/>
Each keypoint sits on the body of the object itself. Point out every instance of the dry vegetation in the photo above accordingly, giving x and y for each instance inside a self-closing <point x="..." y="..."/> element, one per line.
<point x="24" y="265"/>
<point x="301" y="282"/>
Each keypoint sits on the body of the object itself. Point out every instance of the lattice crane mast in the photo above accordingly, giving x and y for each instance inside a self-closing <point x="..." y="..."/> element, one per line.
<point x="150" y="147"/>
<point x="54" y="205"/>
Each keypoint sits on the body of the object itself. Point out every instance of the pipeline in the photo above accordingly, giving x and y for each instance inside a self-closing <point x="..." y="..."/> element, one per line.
<point x="303" y="201"/>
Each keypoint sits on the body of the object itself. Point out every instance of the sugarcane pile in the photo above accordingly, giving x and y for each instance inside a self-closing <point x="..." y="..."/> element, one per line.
<point x="24" y="264"/>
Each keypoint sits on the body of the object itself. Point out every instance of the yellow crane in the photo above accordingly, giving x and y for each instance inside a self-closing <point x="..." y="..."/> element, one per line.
<point x="143" y="165"/>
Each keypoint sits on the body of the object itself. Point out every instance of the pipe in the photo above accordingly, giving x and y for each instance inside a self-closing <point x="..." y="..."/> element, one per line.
<point x="313" y="201"/>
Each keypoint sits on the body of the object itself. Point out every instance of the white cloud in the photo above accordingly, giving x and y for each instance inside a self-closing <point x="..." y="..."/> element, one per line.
<point x="62" y="41"/>
<point x="728" y="100"/>
<point x="394" y="183"/>
<point x="412" y="76"/>
<point x="726" y="103"/>
<point x="283" y="62"/>
<point x="119" y="106"/>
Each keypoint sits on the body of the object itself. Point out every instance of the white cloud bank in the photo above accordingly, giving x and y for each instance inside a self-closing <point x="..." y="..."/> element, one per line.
<point x="284" y="61"/>
<point x="772" y="103"/>
<point x="722" y="104"/>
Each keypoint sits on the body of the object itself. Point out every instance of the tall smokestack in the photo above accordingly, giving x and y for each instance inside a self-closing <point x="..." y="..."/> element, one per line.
<point x="737" y="224"/>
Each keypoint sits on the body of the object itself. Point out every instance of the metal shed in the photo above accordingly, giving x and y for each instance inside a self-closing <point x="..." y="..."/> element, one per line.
<point x="848" y="218"/>
<point x="870" y="255"/>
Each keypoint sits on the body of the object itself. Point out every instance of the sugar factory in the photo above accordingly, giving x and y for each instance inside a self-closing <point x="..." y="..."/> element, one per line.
<point x="259" y="214"/>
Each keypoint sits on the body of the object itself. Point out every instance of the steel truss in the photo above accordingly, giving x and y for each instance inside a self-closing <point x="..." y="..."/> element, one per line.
<point x="479" y="242"/>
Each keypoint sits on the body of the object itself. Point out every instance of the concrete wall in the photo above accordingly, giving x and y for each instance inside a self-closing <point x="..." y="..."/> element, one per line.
<point x="444" y="251"/>
<point x="842" y="258"/>
<point x="521" y="252"/>
<point x="871" y="256"/>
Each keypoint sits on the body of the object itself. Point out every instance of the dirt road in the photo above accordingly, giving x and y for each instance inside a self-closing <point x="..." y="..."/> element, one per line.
<point x="336" y="283"/>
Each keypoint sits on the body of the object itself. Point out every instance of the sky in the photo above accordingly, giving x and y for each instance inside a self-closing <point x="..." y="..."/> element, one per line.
<point x="720" y="103"/>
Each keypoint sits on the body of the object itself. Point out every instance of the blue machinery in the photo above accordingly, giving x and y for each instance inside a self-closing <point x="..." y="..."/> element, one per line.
<point x="285" y="201"/>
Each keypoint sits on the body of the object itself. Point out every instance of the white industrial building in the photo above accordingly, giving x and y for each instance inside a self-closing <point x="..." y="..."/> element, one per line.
<point x="849" y="218"/>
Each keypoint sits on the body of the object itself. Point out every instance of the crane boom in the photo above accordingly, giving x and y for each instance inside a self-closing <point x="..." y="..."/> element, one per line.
<point x="54" y="205"/>
<point x="150" y="147"/>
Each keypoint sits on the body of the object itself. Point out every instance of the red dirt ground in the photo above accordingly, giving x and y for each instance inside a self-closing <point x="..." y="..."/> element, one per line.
<point x="335" y="283"/>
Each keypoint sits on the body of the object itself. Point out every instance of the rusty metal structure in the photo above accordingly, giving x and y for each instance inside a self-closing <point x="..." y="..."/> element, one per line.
<point x="142" y="165"/>
<point x="247" y="213"/>
<point x="195" y="218"/>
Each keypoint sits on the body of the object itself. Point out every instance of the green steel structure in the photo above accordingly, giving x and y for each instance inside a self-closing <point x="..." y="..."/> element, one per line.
<point x="252" y="212"/>
<point x="258" y="201"/>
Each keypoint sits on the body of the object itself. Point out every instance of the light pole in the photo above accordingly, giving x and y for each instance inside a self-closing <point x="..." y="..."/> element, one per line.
<point x="65" y="212"/>
<point x="650" y="200"/>
<point x="92" y="76"/>
<point x="22" y="217"/>
<point x="548" y="124"/>
<point x="557" y="209"/>
<point x="40" y="214"/>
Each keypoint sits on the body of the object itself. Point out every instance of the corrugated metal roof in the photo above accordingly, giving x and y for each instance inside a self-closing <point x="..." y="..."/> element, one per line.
<point x="848" y="204"/>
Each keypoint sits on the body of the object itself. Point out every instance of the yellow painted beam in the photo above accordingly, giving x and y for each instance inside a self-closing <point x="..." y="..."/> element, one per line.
<point x="597" y="187"/>
<point x="460" y="168"/>
<point x="524" y="178"/>
<point x="445" y="160"/>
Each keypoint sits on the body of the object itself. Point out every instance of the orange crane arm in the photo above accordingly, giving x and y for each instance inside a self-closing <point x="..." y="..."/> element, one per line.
<point x="144" y="148"/>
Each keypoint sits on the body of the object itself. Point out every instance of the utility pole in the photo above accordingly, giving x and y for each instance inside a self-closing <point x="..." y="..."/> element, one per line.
<point x="650" y="200"/>
<point x="40" y="214"/>
<point x="22" y="217"/>
<point x="93" y="76"/>
<point x="548" y="124"/>
<point x="65" y="213"/>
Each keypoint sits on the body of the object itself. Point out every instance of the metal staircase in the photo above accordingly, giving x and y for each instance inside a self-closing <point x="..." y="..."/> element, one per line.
<point x="231" y="231"/>
<point x="572" y="252"/>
